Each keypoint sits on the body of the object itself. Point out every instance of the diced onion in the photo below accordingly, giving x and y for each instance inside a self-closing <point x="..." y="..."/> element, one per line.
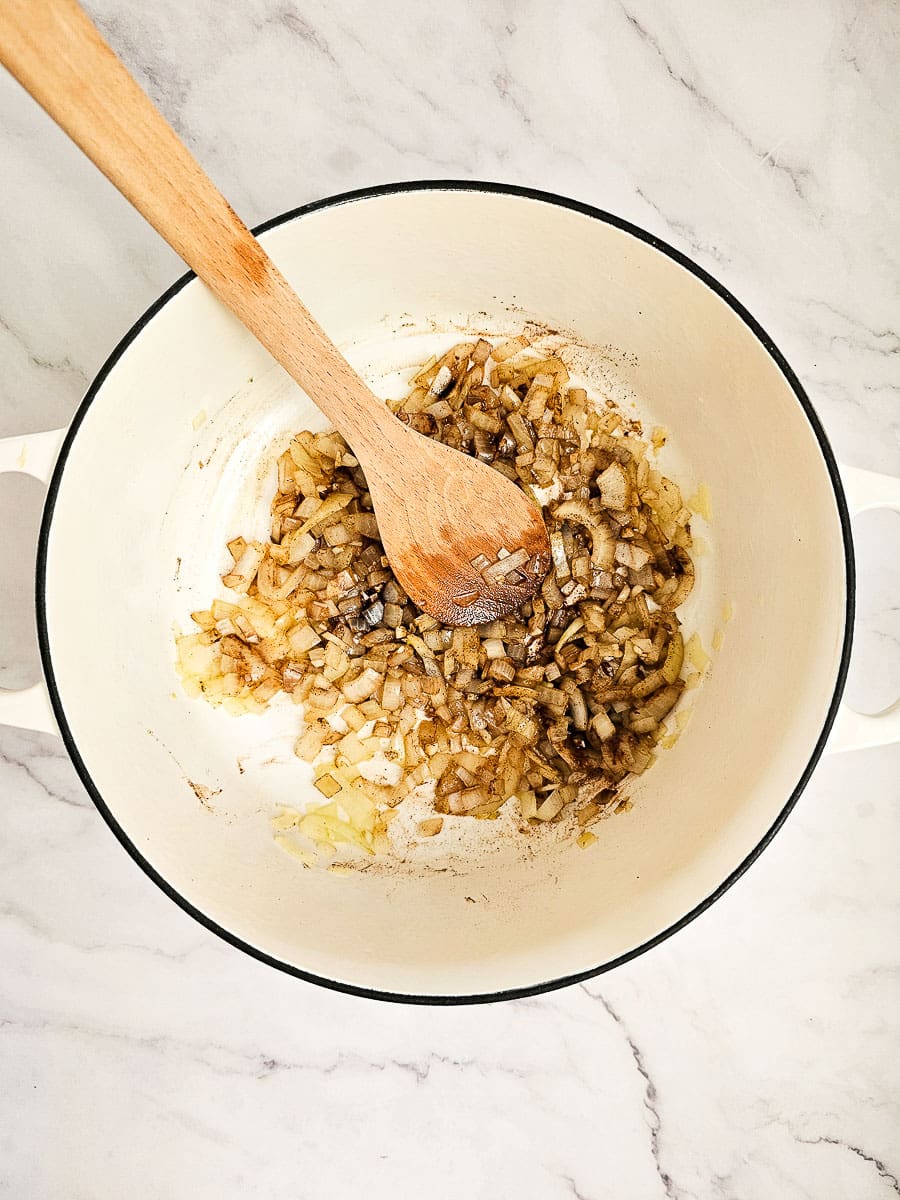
<point x="363" y="686"/>
<point x="554" y="706"/>
<point x="613" y="484"/>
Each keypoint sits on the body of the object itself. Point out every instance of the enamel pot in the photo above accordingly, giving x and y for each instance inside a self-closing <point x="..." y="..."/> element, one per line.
<point x="169" y="456"/>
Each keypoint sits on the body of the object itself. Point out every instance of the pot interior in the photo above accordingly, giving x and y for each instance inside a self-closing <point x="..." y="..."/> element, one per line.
<point x="172" y="458"/>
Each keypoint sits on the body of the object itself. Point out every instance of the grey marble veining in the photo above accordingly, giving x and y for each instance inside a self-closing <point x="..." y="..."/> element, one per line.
<point x="756" y="1054"/>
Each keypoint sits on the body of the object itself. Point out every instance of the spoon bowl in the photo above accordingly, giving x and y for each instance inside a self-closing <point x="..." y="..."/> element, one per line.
<point x="465" y="550"/>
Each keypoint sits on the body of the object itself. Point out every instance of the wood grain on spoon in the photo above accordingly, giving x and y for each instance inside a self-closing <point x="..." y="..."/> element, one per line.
<point x="440" y="513"/>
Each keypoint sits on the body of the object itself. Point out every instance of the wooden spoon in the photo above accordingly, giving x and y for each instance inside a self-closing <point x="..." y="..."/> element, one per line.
<point x="439" y="511"/>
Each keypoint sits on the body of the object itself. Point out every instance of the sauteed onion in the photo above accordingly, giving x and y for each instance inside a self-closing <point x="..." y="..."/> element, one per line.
<point x="551" y="708"/>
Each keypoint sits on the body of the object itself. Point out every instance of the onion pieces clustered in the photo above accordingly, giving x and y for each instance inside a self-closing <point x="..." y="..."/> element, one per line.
<point x="555" y="706"/>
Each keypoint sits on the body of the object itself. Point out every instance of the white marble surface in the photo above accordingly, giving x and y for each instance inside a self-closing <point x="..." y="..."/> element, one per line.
<point x="755" y="1055"/>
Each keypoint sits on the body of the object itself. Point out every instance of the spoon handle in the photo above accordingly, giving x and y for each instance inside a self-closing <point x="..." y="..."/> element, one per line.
<point x="58" y="55"/>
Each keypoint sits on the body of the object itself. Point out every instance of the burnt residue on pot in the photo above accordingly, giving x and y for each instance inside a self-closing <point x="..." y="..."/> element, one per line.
<point x="203" y="793"/>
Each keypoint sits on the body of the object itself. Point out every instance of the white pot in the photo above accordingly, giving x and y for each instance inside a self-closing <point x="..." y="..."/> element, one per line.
<point x="137" y="487"/>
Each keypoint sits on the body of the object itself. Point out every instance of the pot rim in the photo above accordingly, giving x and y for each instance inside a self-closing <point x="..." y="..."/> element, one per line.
<point x="446" y="185"/>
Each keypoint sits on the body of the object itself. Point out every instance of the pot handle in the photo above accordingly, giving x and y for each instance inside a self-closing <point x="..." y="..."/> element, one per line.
<point x="866" y="490"/>
<point x="33" y="454"/>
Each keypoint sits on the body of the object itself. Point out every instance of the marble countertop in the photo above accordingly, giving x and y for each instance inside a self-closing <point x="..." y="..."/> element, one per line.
<point x="753" y="1056"/>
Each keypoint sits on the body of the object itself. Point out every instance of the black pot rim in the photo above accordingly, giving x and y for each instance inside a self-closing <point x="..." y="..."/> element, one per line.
<point x="446" y="185"/>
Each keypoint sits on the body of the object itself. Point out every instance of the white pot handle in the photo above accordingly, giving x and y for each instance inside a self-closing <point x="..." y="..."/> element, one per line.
<point x="852" y="730"/>
<point x="34" y="454"/>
